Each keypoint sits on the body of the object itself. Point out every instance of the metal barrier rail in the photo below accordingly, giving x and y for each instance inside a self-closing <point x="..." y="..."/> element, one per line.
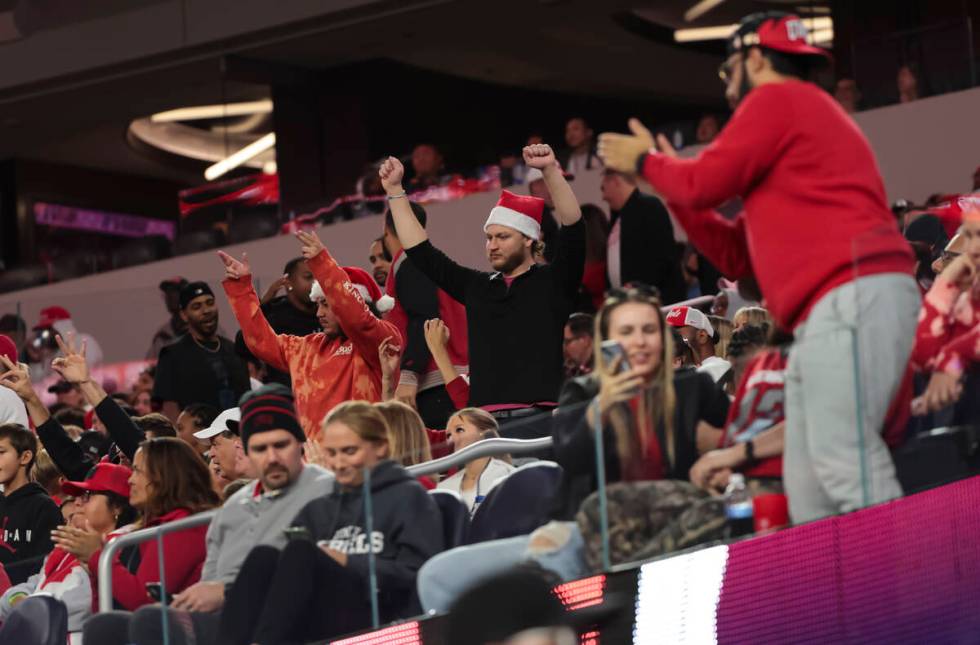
<point x="483" y="448"/>
<point x="137" y="537"/>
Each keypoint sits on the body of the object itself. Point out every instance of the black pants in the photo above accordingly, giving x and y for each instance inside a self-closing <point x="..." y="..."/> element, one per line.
<point x="435" y="406"/>
<point x="295" y="596"/>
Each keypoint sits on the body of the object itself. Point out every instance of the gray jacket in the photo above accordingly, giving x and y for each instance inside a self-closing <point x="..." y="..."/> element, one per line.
<point x="247" y="520"/>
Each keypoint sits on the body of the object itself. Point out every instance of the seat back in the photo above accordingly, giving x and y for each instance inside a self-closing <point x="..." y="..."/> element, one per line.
<point x="517" y="504"/>
<point x="38" y="620"/>
<point x="455" y="517"/>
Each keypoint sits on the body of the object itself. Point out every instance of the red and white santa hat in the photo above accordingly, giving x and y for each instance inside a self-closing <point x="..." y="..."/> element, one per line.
<point x="690" y="317"/>
<point x="519" y="212"/>
<point x="364" y="284"/>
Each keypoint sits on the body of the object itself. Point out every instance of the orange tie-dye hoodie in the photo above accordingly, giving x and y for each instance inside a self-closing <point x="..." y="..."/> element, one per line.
<point x="325" y="371"/>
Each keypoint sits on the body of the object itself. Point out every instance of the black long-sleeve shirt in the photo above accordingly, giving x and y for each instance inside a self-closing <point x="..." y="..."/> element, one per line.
<point x="515" y="331"/>
<point x="69" y="457"/>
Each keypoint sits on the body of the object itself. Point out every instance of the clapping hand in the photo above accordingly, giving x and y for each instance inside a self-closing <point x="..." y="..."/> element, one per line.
<point x="310" y="244"/>
<point x="235" y="269"/>
<point x="392" y="172"/>
<point x="81" y="543"/>
<point x="71" y="365"/>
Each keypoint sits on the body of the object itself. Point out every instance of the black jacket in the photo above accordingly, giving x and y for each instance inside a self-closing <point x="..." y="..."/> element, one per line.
<point x="515" y="334"/>
<point x="27" y="517"/>
<point x="407" y="532"/>
<point x="647" y="250"/>
<point x="698" y="399"/>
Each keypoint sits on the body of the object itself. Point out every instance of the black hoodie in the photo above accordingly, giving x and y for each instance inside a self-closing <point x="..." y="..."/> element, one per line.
<point x="407" y="532"/>
<point x="27" y="517"/>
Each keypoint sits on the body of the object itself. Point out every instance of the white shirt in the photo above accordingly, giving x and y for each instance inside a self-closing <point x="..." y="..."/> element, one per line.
<point x="494" y="472"/>
<point x="12" y="409"/>
<point x="715" y="367"/>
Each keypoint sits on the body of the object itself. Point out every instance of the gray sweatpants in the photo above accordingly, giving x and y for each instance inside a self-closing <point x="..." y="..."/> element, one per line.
<point x="834" y="457"/>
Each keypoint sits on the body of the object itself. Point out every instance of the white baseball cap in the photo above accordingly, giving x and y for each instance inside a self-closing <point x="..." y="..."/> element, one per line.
<point x="226" y="421"/>
<point x="690" y="317"/>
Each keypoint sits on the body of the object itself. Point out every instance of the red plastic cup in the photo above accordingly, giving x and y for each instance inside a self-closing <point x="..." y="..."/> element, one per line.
<point x="769" y="512"/>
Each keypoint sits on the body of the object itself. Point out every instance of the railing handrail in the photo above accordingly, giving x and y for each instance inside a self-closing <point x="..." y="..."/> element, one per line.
<point x="483" y="448"/>
<point x="114" y="545"/>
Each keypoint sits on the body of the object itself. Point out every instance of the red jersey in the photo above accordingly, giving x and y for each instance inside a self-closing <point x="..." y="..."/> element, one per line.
<point x="760" y="404"/>
<point x="816" y="215"/>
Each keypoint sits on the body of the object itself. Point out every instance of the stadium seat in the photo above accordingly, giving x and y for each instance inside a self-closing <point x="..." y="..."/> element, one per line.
<point x="455" y="517"/>
<point x="141" y="251"/>
<point x="23" y="278"/>
<point x="253" y="224"/>
<point x="938" y="457"/>
<point x="38" y="620"/>
<point x="517" y="504"/>
<point x="198" y="241"/>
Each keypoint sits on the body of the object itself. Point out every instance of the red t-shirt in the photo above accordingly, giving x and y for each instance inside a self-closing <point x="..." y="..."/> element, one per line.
<point x="816" y="214"/>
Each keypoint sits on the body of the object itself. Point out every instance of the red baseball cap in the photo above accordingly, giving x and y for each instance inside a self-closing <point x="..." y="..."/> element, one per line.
<point x="51" y="315"/>
<point x="106" y="478"/>
<point x="782" y="32"/>
<point x="8" y="348"/>
<point x="690" y="317"/>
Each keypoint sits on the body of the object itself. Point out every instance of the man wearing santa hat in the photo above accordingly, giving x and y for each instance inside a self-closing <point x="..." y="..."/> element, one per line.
<point x="516" y="314"/>
<point x="338" y="364"/>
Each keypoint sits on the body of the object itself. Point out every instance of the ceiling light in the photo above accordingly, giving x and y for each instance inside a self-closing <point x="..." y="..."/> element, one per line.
<point x="701" y="8"/>
<point x="218" y="111"/>
<point x="236" y="159"/>
<point x="817" y="25"/>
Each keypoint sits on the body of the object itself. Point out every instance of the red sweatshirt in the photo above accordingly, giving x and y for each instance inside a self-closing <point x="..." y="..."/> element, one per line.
<point x="325" y="370"/>
<point x="184" y="553"/>
<point x="948" y="336"/>
<point x="814" y="200"/>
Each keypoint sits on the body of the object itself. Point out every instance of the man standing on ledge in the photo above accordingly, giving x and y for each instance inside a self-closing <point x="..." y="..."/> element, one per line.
<point x="515" y="315"/>
<point x="823" y="244"/>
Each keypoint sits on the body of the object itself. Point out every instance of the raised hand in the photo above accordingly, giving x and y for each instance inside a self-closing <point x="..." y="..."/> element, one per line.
<point x="274" y="289"/>
<point x="539" y="155"/>
<point x="390" y="355"/>
<point x="17" y="377"/>
<point x="392" y="172"/>
<point x="71" y="364"/>
<point x="310" y="244"/>
<point x="436" y="334"/>
<point x="621" y="151"/>
<point x="235" y="269"/>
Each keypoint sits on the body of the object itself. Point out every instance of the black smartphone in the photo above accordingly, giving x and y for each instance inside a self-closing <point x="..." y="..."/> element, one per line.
<point x="610" y="350"/>
<point x="155" y="589"/>
<point x="297" y="533"/>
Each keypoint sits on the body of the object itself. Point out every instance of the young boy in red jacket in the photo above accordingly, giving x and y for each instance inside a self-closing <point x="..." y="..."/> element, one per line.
<point x="819" y="237"/>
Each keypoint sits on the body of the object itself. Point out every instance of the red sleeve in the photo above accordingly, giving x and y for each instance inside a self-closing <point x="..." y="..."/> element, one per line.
<point x="720" y="239"/>
<point x="459" y="392"/>
<point x="935" y="328"/>
<point x="732" y="164"/>
<point x="958" y="355"/>
<point x="261" y="340"/>
<point x="361" y="326"/>
<point x="184" y="553"/>
<point x="437" y="443"/>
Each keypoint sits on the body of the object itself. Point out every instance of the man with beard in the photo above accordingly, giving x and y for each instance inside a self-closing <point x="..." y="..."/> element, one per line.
<point x="819" y="237"/>
<point x="380" y="260"/>
<point x="515" y="315"/>
<point x="256" y="515"/>
<point x="201" y="367"/>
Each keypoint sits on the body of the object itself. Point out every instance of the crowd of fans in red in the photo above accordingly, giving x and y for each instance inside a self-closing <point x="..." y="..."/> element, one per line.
<point x="336" y="387"/>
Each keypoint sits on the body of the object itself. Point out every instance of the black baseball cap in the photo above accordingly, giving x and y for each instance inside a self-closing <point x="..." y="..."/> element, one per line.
<point x="61" y="387"/>
<point x="193" y="290"/>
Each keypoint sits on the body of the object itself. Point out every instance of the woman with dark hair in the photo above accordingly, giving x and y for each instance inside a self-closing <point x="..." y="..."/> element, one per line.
<point x="169" y="481"/>
<point x="104" y="508"/>
<point x="596" y="241"/>
<point x="317" y="587"/>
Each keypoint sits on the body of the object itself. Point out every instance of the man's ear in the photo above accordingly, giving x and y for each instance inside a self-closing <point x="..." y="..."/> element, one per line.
<point x="756" y="60"/>
<point x="183" y="316"/>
